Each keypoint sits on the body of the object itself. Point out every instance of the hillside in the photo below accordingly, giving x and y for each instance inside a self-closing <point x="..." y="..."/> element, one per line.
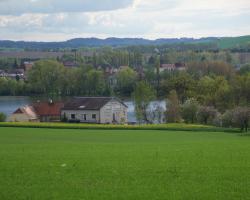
<point x="223" y="42"/>
<point x="230" y="42"/>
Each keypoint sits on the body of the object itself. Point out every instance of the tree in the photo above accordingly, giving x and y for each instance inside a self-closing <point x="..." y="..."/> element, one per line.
<point x="156" y="113"/>
<point x="95" y="83"/>
<point x="241" y="118"/>
<point x="2" y="117"/>
<point x="189" y="110"/>
<point x="46" y="76"/>
<point x="214" y="91"/>
<point x="227" y="118"/>
<point x="157" y="67"/>
<point x="184" y="85"/>
<point x="220" y="68"/>
<point x="173" y="108"/>
<point x="204" y="68"/>
<point x="126" y="79"/>
<point x="142" y="96"/>
<point x="181" y="82"/>
<point x="4" y="90"/>
<point x="15" y="65"/>
<point x="206" y="114"/>
<point x="244" y="69"/>
<point x="240" y="90"/>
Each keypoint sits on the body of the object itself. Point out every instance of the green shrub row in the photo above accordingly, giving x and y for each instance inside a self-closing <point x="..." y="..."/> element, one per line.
<point x="172" y="127"/>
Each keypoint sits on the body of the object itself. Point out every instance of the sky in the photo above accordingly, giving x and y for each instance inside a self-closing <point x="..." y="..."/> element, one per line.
<point x="60" y="20"/>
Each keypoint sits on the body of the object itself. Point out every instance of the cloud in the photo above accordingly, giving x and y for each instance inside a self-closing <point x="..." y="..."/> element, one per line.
<point x="17" y="7"/>
<point x="138" y="18"/>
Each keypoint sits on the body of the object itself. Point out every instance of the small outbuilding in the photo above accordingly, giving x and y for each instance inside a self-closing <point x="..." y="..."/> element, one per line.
<point x="100" y="110"/>
<point x="38" y="112"/>
<point x="24" y="114"/>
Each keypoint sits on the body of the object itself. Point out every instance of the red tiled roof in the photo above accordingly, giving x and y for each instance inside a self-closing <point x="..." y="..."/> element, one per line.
<point x="48" y="109"/>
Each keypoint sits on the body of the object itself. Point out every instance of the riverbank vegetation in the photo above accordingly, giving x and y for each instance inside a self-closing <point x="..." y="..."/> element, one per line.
<point x="212" y="88"/>
<point x="166" y="127"/>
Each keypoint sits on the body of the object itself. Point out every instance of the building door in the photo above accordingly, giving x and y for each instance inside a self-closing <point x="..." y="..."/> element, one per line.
<point x="114" y="118"/>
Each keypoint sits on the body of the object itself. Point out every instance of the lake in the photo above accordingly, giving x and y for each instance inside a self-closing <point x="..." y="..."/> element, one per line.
<point x="9" y="104"/>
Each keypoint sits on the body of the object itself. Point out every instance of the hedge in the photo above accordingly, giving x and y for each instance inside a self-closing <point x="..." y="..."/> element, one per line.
<point x="172" y="127"/>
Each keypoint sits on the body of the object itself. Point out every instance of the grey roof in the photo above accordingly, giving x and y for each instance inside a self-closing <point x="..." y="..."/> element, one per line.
<point x="88" y="103"/>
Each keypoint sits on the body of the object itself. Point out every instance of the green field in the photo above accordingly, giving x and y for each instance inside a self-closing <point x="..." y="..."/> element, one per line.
<point x="48" y="164"/>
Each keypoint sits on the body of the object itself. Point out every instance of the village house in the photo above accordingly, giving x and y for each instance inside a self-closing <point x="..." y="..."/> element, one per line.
<point x="13" y="74"/>
<point x="172" y="67"/>
<point x="180" y="66"/>
<point x="48" y="111"/>
<point x="110" y="74"/>
<point x="70" y="64"/>
<point x="167" y="67"/>
<point x="24" y="114"/>
<point x="28" y="65"/>
<point x="38" y="112"/>
<point x="100" y="110"/>
<point x="2" y="73"/>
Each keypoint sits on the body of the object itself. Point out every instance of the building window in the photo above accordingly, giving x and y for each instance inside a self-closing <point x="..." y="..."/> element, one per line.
<point x="73" y="116"/>
<point x="93" y="116"/>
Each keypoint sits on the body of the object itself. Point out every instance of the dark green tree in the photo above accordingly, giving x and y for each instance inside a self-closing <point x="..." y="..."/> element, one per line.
<point x="142" y="96"/>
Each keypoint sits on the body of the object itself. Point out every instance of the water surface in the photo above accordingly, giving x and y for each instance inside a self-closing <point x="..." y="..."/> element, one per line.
<point x="10" y="103"/>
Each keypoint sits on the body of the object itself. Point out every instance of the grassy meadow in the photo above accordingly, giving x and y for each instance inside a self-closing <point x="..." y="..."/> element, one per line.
<point x="78" y="164"/>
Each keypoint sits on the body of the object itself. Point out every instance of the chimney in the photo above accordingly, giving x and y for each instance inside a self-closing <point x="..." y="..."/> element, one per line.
<point x="50" y="101"/>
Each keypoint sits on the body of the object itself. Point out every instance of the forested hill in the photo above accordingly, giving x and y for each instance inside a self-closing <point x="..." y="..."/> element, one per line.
<point x="229" y="42"/>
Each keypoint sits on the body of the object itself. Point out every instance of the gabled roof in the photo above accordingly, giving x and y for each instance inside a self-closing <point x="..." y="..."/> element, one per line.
<point x="19" y="111"/>
<point x="48" y="109"/>
<point x="88" y="103"/>
<point x="28" y="110"/>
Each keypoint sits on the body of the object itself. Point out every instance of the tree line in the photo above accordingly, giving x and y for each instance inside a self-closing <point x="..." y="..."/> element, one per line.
<point x="212" y="84"/>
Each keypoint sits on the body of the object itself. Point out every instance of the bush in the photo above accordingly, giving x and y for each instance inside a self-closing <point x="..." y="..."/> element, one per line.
<point x="217" y="121"/>
<point x="2" y="117"/>
<point x="227" y="119"/>
<point x="241" y="118"/>
<point x="64" y="118"/>
<point x="164" y="127"/>
<point x="238" y="118"/>
<point x="173" y="108"/>
<point x="189" y="111"/>
<point x="207" y="114"/>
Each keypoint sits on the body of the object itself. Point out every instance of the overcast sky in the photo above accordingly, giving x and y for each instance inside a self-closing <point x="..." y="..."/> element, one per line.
<point x="58" y="20"/>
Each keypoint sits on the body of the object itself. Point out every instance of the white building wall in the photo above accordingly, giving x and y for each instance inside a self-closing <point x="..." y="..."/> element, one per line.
<point x="79" y="115"/>
<point x="113" y="109"/>
<point x="21" y="117"/>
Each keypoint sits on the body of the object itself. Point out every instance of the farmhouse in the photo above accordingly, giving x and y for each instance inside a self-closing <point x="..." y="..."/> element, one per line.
<point x="24" y="114"/>
<point x="48" y="111"/>
<point x="38" y="112"/>
<point x="101" y="110"/>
